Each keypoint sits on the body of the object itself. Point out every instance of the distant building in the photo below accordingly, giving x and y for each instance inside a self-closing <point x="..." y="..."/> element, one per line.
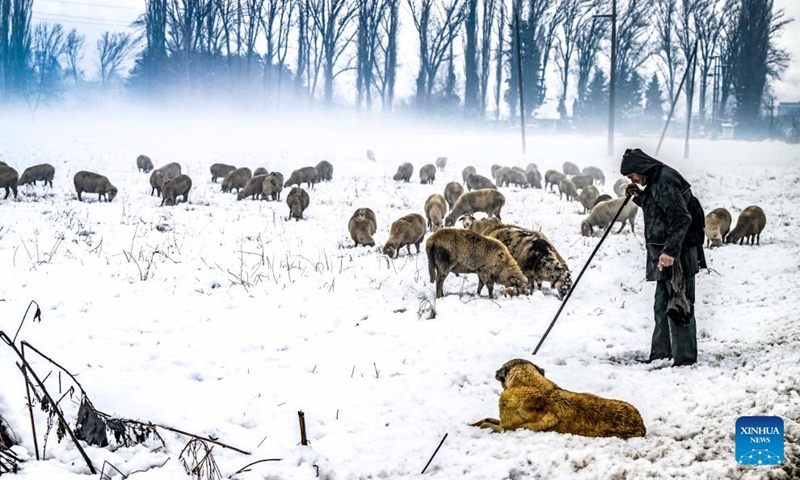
<point x="789" y="109"/>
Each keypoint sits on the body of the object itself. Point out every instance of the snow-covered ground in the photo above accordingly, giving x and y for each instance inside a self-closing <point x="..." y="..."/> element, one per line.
<point x="222" y="319"/>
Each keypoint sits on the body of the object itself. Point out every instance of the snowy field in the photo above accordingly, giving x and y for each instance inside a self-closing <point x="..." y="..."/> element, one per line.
<point x="222" y="319"/>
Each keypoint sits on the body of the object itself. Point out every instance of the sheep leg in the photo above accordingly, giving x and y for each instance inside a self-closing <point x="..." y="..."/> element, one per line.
<point x="490" y="287"/>
<point x="440" y="284"/>
<point x="480" y="286"/>
<point x="758" y="239"/>
<point x="417" y="245"/>
<point x="622" y="227"/>
<point x="408" y="247"/>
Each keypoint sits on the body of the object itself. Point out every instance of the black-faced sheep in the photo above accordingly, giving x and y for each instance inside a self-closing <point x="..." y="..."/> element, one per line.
<point x="44" y="172"/>
<point x="237" y="179"/>
<point x="435" y="210"/>
<point x="8" y="180"/>
<point x="427" y="174"/>
<point x="220" y="170"/>
<point x="362" y="227"/>
<point x="325" y="171"/>
<point x="750" y="224"/>
<point x="90" y="182"/>
<point x="441" y="162"/>
<point x="174" y="188"/>
<point x="588" y="197"/>
<point x="404" y="172"/>
<point x="143" y="164"/>
<point x="307" y="175"/>
<point x="566" y="187"/>
<point x="718" y="224"/>
<point x="603" y="213"/>
<point x="478" y="182"/>
<point x="484" y="200"/>
<point x="298" y="202"/>
<point x="404" y="232"/>
<point x="467" y="172"/>
<point x="453" y="250"/>
<point x="570" y="169"/>
<point x="595" y="173"/>
<point x="452" y="191"/>
<point x="171" y="170"/>
<point x="157" y="179"/>
<point x="253" y="188"/>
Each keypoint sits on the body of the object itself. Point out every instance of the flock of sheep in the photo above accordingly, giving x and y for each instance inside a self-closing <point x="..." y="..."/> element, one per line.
<point x="521" y="259"/>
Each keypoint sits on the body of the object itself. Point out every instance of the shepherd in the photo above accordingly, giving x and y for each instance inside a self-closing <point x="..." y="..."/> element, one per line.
<point x="674" y="232"/>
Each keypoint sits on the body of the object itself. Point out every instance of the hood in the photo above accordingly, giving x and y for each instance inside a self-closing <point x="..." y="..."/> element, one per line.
<point x="636" y="161"/>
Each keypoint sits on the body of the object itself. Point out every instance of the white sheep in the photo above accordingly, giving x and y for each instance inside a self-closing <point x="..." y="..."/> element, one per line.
<point x="603" y="213"/>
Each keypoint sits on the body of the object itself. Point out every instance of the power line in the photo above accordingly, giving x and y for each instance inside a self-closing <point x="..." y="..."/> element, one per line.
<point x="78" y="17"/>
<point x="106" y="24"/>
<point x="92" y="4"/>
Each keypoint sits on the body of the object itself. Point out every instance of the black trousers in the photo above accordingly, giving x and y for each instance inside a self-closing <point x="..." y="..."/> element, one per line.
<point x="671" y="340"/>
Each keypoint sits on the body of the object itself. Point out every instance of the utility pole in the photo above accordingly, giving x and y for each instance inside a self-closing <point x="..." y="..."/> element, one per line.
<point x="519" y="75"/>
<point x="612" y="80"/>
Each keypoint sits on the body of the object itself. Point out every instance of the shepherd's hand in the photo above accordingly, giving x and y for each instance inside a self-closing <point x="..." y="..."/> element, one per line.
<point x="665" y="261"/>
<point x="633" y="190"/>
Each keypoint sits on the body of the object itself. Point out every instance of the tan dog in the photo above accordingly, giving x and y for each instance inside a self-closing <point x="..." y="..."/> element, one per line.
<point x="529" y="400"/>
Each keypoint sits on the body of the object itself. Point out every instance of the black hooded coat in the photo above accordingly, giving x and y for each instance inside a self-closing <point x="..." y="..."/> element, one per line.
<point x="674" y="221"/>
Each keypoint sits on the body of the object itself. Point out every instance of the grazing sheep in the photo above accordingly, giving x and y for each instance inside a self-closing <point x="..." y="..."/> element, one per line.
<point x="534" y="178"/>
<point x="536" y="257"/>
<point x="750" y="224"/>
<point x="589" y="197"/>
<point x="427" y="174"/>
<point x="484" y="226"/>
<point x="143" y="164"/>
<point x="157" y="179"/>
<point x="220" y="170"/>
<point x="441" y="162"/>
<point x="516" y="177"/>
<point x="435" y="209"/>
<point x="370" y="155"/>
<point x="271" y="186"/>
<point x="602" y="214"/>
<point x="453" y="250"/>
<point x="570" y="169"/>
<point x="308" y="175"/>
<point x="582" y="181"/>
<point x="467" y="172"/>
<point x="718" y="224"/>
<point x="298" y="202"/>
<point x="478" y="182"/>
<point x="595" y="173"/>
<point x="483" y="200"/>
<point x="90" y="182"/>
<point x="325" y="170"/>
<point x="495" y="167"/>
<point x="362" y="226"/>
<point x="619" y="186"/>
<point x="553" y="177"/>
<point x="452" y="191"/>
<point x="253" y="188"/>
<point x="531" y="166"/>
<point x="236" y="179"/>
<point x="404" y="172"/>
<point x="260" y="171"/>
<point x="8" y="180"/>
<point x="404" y="232"/>
<point x="175" y="187"/>
<point x="43" y="172"/>
<point x="601" y="198"/>
<point x="567" y="188"/>
<point x="499" y="176"/>
<point x="171" y="170"/>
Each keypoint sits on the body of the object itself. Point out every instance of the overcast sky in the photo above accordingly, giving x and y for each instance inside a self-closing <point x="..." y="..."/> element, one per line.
<point x="92" y="17"/>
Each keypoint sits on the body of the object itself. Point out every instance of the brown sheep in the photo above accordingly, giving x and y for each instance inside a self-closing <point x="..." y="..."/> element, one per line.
<point x="570" y="169"/>
<point x="307" y="175"/>
<point x="453" y="250"/>
<point x="467" y="172"/>
<point x="44" y="172"/>
<point x="236" y="179"/>
<point x="220" y="170"/>
<point x="484" y="200"/>
<point x="750" y="224"/>
<point x="8" y="180"/>
<point x="325" y="171"/>
<point x="260" y="171"/>
<point x="553" y="177"/>
<point x="435" y="209"/>
<point x="90" y="182"/>
<point x="452" y="191"/>
<point x="362" y="227"/>
<point x="171" y="170"/>
<point x="441" y="162"/>
<point x="595" y="173"/>
<point x="174" y="188"/>
<point x="157" y="179"/>
<point x="603" y="213"/>
<point x="272" y="186"/>
<point x="253" y="188"/>
<point x="298" y="202"/>
<point x="718" y="224"/>
<point x="566" y="187"/>
<point x="427" y="174"/>
<point x="143" y="164"/>
<point x="478" y="182"/>
<point x="588" y="198"/>
<point x="404" y="172"/>
<point x="404" y="232"/>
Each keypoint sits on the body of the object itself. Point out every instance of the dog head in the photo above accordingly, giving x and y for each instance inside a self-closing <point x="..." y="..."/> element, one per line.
<point x="503" y="373"/>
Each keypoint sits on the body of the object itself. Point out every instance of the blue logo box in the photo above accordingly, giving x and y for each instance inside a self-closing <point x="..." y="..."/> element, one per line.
<point x="759" y="440"/>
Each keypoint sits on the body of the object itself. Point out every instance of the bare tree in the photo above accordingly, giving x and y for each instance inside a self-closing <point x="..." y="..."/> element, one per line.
<point x="471" y="76"/>
<point x="708" y="21"/>
<point x="587" y="44"/>
<point x="48" y="47"/>
<point x="251" y="29"/>
<point x="15" y="44"/>
<point x="499" y="60"/>
<point x="633" y="34"/>
<point x="370" y="36"/>
<point x="332" y="20"/>
<point x="487" y="24"/>
<point x="665" y="43"/>
<point x="73" y="47"/>
<point x="729" y="48"/>
<point x="574" y="14"/>
<point x="112" y="50"/>
<point x="386" y="70"/>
